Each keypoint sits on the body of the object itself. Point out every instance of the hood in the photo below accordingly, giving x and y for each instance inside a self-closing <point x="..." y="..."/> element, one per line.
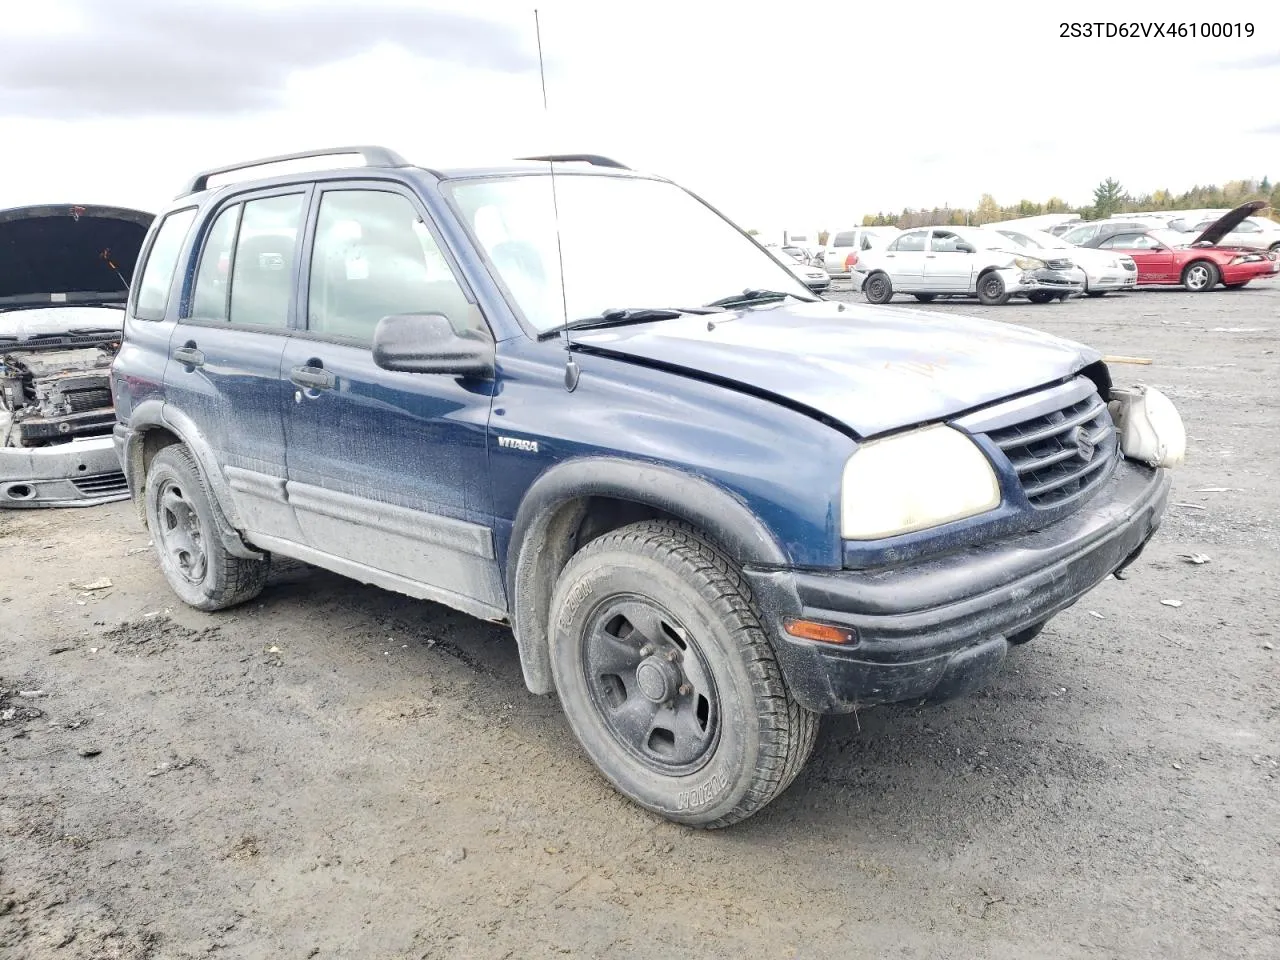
<point x="873" y="369"/>
<point x="68" y="254"/>
<point x="1228" y="222"/>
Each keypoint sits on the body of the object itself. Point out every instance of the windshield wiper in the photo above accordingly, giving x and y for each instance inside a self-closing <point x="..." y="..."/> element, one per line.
<point x="619" y="317"/>
<point x="755" y="296"/>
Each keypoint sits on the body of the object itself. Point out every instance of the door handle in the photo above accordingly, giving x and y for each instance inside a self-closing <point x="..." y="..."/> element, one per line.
<point x="189" y="356"/>
<point x="930" y="256"/>
<point x="313" y="378"/>
<point x="889" y="256"/>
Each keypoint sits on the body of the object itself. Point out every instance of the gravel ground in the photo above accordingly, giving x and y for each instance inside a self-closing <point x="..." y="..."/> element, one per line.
<point x="336" y="771"/>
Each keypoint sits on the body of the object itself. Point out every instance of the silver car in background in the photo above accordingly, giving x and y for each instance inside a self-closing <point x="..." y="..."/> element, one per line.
<point x="1104" y="270"/>
<point x="932" y="262"/>
<point x="815" y="278"/>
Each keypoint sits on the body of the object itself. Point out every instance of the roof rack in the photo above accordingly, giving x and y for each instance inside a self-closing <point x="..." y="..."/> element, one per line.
<point x="373" y="157"/>
<point x="594" y="159"/>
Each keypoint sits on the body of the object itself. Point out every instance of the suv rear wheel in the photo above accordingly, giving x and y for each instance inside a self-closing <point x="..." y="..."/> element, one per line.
<point x="188" y="536"/>
<point x="668" y="680"/>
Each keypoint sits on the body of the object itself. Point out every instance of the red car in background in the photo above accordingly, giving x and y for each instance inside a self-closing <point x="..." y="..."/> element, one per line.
<point x="1164" y="258"/>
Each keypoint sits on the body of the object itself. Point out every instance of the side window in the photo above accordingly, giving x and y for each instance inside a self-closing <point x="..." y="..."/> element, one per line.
<point x="1247" y="226"/>
<point x="262" y="267"/>
<point x="843" y="239"/>
<point x="1125" y="241"/>
<point x="909" y="242"/>
<point x="157" y="274"/>
<point x="944" y="241"/>
<point x="213" y="277"/>
<point x="374" y="257"/>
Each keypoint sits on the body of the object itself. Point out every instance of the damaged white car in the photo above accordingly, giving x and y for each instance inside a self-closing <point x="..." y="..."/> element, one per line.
<point x="64" y="278"/>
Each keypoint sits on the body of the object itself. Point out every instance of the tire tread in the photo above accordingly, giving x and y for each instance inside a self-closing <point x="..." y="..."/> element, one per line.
<point x="788" y="730"/>
<point x="242" y="579"/>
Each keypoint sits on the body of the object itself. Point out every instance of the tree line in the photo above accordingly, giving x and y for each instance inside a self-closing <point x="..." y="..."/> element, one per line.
<point x="1109" y="197"/>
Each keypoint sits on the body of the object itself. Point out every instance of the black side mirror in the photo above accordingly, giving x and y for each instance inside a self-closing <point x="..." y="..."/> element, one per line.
<point x="965" y="248"/>
<point x="427" y="343"/>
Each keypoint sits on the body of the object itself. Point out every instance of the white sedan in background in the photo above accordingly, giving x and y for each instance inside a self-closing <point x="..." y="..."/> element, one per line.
<point x="935" y="262"/>
<point x="815" y="278"/>
<point x="1104" y="270"/>
<point x="1256" y="233"/>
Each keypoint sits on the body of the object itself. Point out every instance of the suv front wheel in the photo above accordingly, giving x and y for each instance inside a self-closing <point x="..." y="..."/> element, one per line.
<point x="668" y="680"/>
<point x="188" y="536"/>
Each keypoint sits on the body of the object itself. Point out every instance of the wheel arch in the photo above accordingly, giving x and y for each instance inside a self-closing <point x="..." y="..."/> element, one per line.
<point x="578" y="500"/>
<point x="152" y="427"/>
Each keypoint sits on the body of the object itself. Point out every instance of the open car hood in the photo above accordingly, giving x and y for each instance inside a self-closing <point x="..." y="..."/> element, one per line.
<point x="68" y="254"/>
<point x="1229" y="221"/>
<point x="873" y="369"/>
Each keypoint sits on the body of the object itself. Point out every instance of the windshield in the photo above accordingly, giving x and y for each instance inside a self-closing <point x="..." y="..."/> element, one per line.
<point x="617" y="242"/>
<point x="1037" y="238"/>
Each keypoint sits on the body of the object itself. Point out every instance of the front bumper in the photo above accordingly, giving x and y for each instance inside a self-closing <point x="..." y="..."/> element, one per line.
<point x="938" y="628"/>
<point x="1109" y="280"/>
<point x="79" y="473"/>
<point x="1063" y="282"/>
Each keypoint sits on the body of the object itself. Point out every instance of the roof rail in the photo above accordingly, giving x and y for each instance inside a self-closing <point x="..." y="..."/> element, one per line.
<point x="373" y="157"/>
<point x="594" y="159"/>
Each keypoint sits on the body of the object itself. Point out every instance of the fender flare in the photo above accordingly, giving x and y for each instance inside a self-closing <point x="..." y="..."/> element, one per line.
<point x="540" y="536"/>
<point x="156" y="415"/>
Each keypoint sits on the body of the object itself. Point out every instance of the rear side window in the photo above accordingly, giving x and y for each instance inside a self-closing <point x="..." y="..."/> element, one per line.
<point x="909" y="242"/>
<point x="843" y="239"/>
<point x="262" y="268"/>
<point x="157" y="273"/>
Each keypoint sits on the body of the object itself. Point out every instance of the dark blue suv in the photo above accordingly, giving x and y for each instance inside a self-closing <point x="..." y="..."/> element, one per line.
<point x="710" y="505"/>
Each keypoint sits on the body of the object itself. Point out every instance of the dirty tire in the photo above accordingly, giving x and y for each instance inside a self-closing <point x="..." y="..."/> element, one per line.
<point x="1200" y="276"/>
<point x="1040" y="296"/>
<point x="187" y="537"/>
<point x="991" y="290"/>
<point x="1024" y="636"/>
<point x="878" y="288"/>
<point x="761" y="736"/>
<point x="925" y="297"/>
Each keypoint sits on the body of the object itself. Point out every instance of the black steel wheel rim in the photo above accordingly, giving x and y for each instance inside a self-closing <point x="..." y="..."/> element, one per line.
<point x="877" y="289"/>
<point x="181" y="534"/>
<point x="994" y="286"/>
<point x="650" y="684"/>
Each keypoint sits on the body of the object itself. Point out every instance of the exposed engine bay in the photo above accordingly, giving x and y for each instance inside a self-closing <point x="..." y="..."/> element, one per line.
<point x="55" y="389"/>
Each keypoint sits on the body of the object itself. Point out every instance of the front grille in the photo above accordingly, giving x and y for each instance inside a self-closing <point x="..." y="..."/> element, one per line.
<point x="101" y="485"/>
<point x="1062" y="455"/>
<point x="1059" y="264"/>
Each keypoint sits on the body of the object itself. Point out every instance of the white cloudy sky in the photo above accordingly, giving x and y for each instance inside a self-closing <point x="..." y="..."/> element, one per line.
<point x="801" y="114"/>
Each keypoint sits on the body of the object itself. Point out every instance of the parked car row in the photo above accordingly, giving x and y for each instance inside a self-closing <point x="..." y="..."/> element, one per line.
<point x="998" y="264"/>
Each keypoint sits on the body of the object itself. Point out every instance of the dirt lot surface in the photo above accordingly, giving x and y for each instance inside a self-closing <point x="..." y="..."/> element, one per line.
<point x="334" y="771"/>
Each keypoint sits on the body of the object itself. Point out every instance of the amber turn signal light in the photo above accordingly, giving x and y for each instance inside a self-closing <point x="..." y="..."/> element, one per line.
<point x="822" y="632"/>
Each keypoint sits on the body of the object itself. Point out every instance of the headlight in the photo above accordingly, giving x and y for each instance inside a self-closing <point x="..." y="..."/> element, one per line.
<point x="913" y="481"/>
<point x="1028" y="263"/>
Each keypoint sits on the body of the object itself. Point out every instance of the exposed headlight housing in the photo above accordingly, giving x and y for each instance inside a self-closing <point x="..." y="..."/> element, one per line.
<point x="1028" y="263"/>
<point x="1151" y="431"/>
<point x="914" y="480"/>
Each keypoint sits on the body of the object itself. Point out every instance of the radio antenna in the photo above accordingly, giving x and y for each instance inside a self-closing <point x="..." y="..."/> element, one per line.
<point x="571" y="371"/>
